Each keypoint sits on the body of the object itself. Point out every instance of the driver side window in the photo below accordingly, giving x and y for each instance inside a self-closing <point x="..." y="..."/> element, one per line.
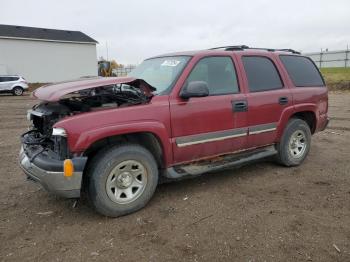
<point x="218" y="72"/>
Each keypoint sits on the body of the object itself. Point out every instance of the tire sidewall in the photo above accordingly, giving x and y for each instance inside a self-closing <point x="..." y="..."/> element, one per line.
<point x="284" y="153"/>
<point x="101" y="170"/>
<point x="17" y="88"/>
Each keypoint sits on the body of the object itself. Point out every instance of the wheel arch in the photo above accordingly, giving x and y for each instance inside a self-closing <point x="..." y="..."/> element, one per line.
<point x="306" y="113"/>
<point x="309" y="117"/>
<point x="15" y="86"/>
<point x="148" y="140"/>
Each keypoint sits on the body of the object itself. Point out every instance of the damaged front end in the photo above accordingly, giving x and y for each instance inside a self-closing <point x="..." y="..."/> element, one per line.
<point x="41" y="135"/>
<point x="45" y="147"/>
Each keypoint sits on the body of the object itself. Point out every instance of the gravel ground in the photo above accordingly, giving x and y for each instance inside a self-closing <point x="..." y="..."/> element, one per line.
<point x="261" y="212"/>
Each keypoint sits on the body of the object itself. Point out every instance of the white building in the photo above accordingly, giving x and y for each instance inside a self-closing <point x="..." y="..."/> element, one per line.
<point x="46" y="55"/>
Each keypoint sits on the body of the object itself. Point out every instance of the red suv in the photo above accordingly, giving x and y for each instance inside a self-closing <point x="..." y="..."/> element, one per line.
<point x="175" y="116"/>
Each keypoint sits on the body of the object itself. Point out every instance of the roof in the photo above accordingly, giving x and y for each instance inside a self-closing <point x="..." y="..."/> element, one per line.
<point x="9" y="75"/>
<point x="222" y="50"/>
<point x="44" y="34"/>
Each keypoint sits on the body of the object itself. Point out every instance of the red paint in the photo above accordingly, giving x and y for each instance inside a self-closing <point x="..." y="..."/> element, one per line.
<point x="56" y="91"/>
<point x="169" y="117"/>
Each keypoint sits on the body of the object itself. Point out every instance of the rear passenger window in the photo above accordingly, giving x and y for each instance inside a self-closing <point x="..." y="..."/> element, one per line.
<point x="261" y="73"/>
<point x="302" y="71"/>
<point x="11" y="78"/>
<point x="218" y="72"/>
<point x="8" y="78"/>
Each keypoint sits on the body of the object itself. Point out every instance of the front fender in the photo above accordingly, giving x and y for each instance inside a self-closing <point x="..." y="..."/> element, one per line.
<point x="88" y="137"/>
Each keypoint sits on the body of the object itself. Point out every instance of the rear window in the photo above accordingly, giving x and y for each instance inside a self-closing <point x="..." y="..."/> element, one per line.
<point x="302" y="71"/>
<point x="261" y="73"/>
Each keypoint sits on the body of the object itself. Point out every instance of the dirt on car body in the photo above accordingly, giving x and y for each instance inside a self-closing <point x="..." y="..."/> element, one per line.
<point x="261" y="212"/>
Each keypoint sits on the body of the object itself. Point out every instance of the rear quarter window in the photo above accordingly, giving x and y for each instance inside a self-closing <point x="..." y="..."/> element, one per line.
<point x="302" y="71"/>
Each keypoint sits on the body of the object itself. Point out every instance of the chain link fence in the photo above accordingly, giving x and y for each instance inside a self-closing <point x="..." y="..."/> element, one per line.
<point x="331" y="58"/>
<point x="123" y="71"/>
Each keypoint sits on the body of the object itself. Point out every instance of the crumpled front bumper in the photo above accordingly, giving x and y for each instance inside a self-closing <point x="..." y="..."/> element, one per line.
<point x="49" y="173"/>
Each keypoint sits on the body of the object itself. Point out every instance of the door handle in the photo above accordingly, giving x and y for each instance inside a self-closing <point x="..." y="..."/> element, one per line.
<point x="240" y="106"/>
<point x="283" y="100"/>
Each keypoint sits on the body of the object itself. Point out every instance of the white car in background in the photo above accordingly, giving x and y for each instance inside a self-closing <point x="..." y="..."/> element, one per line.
<point x="13" y="84"/>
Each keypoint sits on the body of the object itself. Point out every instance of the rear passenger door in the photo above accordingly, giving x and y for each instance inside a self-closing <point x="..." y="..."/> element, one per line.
<point x="7" y="82"/>
<point x="2" y="83"/>
<point x="267" y="97"/>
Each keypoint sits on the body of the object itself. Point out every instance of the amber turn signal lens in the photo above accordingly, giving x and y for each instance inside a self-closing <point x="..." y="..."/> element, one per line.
<point x="68" y="168"/>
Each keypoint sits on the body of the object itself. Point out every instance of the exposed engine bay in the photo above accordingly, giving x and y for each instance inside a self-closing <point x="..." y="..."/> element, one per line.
<point x="45" y="114"/>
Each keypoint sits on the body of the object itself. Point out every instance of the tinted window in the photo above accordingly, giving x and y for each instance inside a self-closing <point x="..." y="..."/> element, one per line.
<point x="261" y="73"/>
<point x="218" y="72"/>
<point x="8" y="78"/>
<point x="5" y="79"/>
<point x="302" y="71"/>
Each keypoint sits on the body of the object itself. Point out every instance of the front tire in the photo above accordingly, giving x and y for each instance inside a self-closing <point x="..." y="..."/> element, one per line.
<point x="295" y="143"/>
<point x="122" y="179"/>
<point x="17" y="91"/>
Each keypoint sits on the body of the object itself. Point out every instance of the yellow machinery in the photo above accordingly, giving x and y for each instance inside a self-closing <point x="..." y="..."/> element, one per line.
<point x="104" y="68"/>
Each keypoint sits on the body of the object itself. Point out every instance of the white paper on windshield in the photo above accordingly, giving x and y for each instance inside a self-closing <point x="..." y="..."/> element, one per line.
<point x="171" y="63"/>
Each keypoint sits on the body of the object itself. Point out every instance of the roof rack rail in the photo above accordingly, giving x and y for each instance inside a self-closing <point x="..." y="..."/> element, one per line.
<point x="274" y="49"/>
<point x="289" y="50"/>
<point x="231" y="47"/>
<point x="243" y="47"/>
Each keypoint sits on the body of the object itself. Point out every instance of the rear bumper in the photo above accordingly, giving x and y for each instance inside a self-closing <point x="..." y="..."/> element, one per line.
<point x="49" y="174"/>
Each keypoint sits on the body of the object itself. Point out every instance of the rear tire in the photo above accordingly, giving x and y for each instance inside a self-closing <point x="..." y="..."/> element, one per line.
<point x="295" y="143"/>
<point x="17" y="91"/>
<point x="122" y="179"/>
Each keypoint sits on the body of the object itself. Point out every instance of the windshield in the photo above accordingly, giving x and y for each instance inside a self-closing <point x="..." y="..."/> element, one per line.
<point x="160" y="72"/>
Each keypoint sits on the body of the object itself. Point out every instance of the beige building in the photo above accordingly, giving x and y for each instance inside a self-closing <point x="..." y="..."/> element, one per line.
<point x="46" y="55"/>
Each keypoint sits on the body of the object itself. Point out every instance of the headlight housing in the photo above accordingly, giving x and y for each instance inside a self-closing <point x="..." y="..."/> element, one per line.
<point x="58" y="131"/>
<point x="60" y="146"/>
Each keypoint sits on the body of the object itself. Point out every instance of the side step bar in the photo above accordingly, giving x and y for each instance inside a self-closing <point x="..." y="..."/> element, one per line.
<point x="219" y="163"/>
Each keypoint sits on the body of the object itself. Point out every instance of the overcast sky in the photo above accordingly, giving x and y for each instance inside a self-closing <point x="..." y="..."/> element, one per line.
<point x="135" y="30"/>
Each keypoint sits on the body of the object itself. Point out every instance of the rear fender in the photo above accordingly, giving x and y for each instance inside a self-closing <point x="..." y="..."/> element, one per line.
<point x="18" y="85"/>
<point x="289" y="112"/>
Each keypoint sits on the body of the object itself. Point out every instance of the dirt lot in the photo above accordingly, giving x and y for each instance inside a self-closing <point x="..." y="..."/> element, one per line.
<point x="262" y="212"/>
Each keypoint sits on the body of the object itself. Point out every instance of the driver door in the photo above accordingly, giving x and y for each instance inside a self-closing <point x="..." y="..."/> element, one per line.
<point x="207" y="126"/>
